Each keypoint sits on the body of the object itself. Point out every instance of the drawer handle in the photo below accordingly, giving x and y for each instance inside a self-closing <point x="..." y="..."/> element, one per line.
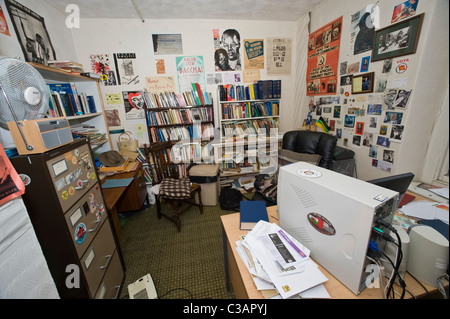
<point x="108" y="257"/>
<point x="97" y="223"/>
<point x="117" y="293"/>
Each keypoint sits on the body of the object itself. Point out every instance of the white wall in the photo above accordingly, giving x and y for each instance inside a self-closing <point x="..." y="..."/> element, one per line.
<point x="97" y="36"/>
<point x="427" y="76"/>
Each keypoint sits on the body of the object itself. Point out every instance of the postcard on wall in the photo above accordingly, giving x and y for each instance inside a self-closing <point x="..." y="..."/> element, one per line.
<point x="125" y="68"/>
<point x="31" y="32"/>
<point x="113" y="98"/>
<point x="404" y="10"/>
<point x="113" y="119"/>
<point x="3" y="25"/>
<point x="160" y="66"/>
<point x="323" y="59"/>
<point x="167" y="44"/>
<point x="254" y="54"/>
<point x="214" y="78"/>
<point x="159" y="84"/>
<point x="279" y="56"/>
<point x="190" y="69"/>
<point x="227" y="50"/>
<point x="11" y="185"/>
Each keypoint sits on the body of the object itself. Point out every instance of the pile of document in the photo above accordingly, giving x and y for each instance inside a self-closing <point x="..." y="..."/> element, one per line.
<point x="280" y="265"/>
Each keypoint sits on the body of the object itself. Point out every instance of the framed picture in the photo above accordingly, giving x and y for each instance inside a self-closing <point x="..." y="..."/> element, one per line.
<point x="31" y="33"/>
<point x="363" y="83"/>
<point x="397" y="39"/>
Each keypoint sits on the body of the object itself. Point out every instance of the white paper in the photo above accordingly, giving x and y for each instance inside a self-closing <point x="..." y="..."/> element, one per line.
<point x="440" y="191"/>
<point x="426" y="210"/>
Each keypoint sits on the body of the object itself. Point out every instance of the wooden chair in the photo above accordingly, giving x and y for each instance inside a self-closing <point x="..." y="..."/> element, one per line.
<point x="173" y="189"/>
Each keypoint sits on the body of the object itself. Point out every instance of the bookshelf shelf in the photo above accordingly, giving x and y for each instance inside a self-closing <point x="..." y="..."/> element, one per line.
<point x="87" y="86"/>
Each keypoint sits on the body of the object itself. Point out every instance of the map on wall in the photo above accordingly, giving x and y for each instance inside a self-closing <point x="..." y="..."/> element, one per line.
<point x="323" y="59"/>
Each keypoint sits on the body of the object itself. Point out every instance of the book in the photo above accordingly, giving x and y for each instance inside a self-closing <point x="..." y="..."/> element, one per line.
<point x="251" y="212"/>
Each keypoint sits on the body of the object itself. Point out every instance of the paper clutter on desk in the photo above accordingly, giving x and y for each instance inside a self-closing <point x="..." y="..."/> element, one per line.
<point x="277" y="261"/>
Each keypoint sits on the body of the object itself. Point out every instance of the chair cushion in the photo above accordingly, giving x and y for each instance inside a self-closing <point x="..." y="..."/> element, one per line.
<point x="173" y="188"/>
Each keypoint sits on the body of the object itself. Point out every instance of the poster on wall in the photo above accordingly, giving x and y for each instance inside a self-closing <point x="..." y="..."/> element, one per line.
<point x="31" y="33"/>
<point x="279" y="56"/>
<point x="101" y="64"/>
<point x="167" y="44"/>
<point x="125" y="68"/>
<point x="227" y="50"/>
<point x="254" y="54"/>
<point x="323" y="59"/>
<point x="362" y="28"/>
<point x="190" y="69"/>
<point x="134" y="105"/>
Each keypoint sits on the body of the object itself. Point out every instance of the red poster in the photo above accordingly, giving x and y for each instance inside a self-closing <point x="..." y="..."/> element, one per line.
<point x="3" y="25"/>
<point x="11" y="185"/>
<point x="323" y="59"/>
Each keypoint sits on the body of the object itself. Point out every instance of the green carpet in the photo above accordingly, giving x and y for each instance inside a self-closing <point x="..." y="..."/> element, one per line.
<point x="191" y="259"/>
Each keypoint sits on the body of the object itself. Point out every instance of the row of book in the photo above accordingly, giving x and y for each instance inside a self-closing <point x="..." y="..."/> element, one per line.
<point x="251" y="127"/>
<point x="261" y="90"/>
<point x="249" y="110"/>
<point x="64" y="100"/>
<point x="180" y="116"/>
<point x="172" y="99"/>
<point x="180" y="133"/>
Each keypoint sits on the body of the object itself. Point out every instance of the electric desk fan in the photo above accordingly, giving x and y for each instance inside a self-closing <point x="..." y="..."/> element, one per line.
<point x="24" y="103"/>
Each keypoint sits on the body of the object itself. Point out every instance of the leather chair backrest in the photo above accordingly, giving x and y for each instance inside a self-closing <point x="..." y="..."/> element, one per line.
<point x="311" y="142"/>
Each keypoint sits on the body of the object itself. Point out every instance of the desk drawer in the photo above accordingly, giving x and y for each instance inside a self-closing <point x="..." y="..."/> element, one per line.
<point x="85" y="219"/>
<point x="135" y="195"/>
<point x="98" y="257"/>
<point x="112" y="282"/>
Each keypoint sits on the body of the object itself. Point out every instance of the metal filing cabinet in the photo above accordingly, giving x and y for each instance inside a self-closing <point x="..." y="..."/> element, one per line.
<point x="65" y="204"/>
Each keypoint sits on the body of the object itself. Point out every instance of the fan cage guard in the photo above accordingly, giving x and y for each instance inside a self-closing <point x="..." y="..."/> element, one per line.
<point x="15" y="77"/>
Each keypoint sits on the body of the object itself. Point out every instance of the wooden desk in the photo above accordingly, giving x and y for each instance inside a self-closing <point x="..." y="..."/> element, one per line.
<point x="129" y="198"/>
<point x="244" y="287"/>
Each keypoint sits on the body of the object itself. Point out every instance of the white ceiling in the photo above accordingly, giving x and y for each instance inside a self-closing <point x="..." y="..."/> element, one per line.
<point x="278" y="10"/>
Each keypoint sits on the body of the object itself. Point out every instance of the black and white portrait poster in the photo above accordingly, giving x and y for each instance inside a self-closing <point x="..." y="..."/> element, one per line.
<point x="227" y="50"/>
<point x="125" y="68"/>
<point x="31" y="33"/>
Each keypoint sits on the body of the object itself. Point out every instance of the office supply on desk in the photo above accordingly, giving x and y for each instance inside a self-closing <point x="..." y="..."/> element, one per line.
<point x="251" y="213"/>
<point x="426" y="210"/>
<point x="122" y="182"/>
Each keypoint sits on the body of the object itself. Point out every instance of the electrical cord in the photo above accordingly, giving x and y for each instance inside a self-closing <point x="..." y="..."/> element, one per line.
<point x="172" y="290"/>
<point x="399" y="256"/>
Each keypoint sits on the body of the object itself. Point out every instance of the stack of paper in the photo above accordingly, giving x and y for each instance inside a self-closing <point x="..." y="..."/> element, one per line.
<point x="426" y="210"/>
<point x="279" y="264"/>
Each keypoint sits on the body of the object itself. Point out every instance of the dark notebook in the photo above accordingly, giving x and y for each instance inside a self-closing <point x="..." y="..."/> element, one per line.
<point x="251" y="213"/>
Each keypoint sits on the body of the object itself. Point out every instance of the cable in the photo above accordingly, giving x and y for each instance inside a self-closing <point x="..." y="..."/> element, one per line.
<point x="426" y="291"/>
<point x="172" y="290"/>
<point x="380" y="275"/>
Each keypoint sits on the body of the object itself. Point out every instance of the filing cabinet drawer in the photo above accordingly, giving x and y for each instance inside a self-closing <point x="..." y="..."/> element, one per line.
<point x="98" y="257"/>
<point x="111" y="283"/>
<point x="85" y="218"/>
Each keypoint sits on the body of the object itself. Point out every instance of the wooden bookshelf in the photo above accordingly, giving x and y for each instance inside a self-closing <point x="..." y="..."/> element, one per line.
<point x="88" y="86"/>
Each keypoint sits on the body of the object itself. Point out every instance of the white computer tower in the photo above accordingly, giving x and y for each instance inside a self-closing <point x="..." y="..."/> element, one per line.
<point x="332" y="214"/>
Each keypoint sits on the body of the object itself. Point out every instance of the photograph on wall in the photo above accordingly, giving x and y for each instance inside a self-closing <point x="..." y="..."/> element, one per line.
<point x="125" y="68"/>
<point x="279" y="56"/>
<point x="398" y="39"/>
<point x="402" y="98"/>
<point x="113" y="119"/>
<point x="134" y="105"/>
<point x="190" y="69"/>
<point x="31" y="32"/>
<point x="254" y="54"/>
<point x="11" y="185"/>
<point x="3" y="24"/>
<point x="397" y="132"/>
<point x="323" y="59"/>
<point x="101" y="64"/>
<point x="167" y="44"/>
<point x="227" y="50"/>
<point x="404" y="10"/>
